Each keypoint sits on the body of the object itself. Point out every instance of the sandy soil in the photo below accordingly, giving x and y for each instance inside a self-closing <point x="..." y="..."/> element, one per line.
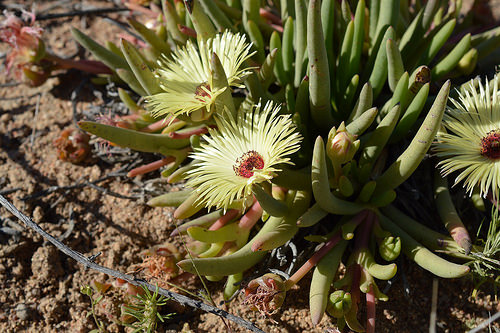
<point x="40" y="286"/>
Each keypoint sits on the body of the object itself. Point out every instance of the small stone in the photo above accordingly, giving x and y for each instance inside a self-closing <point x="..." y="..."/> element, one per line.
<point x="23" y="311"/>
<point x="35" y="292"/>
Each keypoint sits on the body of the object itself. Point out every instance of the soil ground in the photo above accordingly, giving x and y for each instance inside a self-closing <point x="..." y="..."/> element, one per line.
<point x="40" y="286"/>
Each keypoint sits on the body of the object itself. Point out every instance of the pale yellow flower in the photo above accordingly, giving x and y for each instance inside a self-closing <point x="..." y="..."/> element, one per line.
<point x="242" y="152"/>
<point x="471" y="145"/>
<point x="186" y="77"/>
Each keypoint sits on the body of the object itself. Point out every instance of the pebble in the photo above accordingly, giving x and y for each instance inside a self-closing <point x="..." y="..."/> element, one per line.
<point x="23" y="311"/>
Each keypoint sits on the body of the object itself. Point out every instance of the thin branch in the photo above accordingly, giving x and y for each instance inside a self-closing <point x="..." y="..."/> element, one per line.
<point x="9" y="84"/>
<point x="486" y="323"/>
<point x="93" y="11"/>
<point x="123" y="27"/>
<point x="10" y="190"/>
<point x="88" y="263"/>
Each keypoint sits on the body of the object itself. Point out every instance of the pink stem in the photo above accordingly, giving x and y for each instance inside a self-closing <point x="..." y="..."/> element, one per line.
<point x="251" y="217"/>
<point x="365" y="229"/>
<point x="133" y="40"/>
<point x="156" y="126"/>
<point x="89" y="66"/>
<point x="150" y="167"/>
<point x="132" y="117"/>
<point x="356" y="276"/>
<point x="155" y="8"/>
<point x="125" y="124"/>
<point x="265" y="14"/>
<point x="309" y="264"/>
<point x="230" y="214"/>
<point x="138" y="8"/>
<point x="278" y="28"/>
<point x="460" y="234"/>
<point x="186" y="30"/>
<point x="370" y="310"/>
<point x="188" y="134"/>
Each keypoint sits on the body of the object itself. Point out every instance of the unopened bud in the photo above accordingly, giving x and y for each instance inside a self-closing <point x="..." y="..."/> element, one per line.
<point x="86" y="290"/>
<point x="390" y="248"/>
<point x="339" y="303"/>
<point x="341" y="145"/>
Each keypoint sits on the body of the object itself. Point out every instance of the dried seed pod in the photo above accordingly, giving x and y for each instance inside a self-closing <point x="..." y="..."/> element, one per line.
<point x="265" y="294"/>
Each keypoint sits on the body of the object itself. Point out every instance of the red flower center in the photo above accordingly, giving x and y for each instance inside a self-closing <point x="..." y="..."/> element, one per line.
<point x="203" y="91"/>
<point x="490" y="145"/>
<point x="247" y="163"/>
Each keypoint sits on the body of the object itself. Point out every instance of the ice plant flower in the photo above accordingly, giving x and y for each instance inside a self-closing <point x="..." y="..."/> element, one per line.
<point x="186" y="79"/>
<point x="241" y="152"/>
<point x="472" y="144"/>
<point x="25" y="41"/>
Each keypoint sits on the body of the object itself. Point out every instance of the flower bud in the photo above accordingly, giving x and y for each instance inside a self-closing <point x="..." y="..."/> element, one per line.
<point x="86" y="290"/>
<point x="341" y="145"/>
<point x="390" y="248"/>
<point x="339" y="303"/>
<point x="265" y="294"/>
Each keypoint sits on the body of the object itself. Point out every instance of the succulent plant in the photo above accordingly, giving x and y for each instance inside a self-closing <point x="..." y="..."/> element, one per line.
<point x="246" y="125"/>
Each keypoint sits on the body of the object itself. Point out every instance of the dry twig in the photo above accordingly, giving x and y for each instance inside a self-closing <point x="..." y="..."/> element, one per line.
<point x="89" y="263"/>
<point x="93" y="11"/>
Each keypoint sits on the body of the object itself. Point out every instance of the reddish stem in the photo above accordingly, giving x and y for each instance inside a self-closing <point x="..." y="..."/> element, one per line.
<point x="251" y="217"/>
<point x="139" y="8"/>
<point x="365" y="228"/>
<point x="276" y="27"/>
<point x="356" y="276"/>
<point x="89" y="66"/>
<point x="460" y="234"/>
<point x="156" y="126"/>
<point x="230" y="214"/>
<point x="267" y="15"/>
<point x="370" y="310"/>
<point x="155" y="9"/>
<point x="186" y="30"/>
<point x="187" y="134"/>
<point x="132" y="117"/>
<point x="133" y="40"/>
<point x="150" y="167"/>
<point x="309" y="264"/>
